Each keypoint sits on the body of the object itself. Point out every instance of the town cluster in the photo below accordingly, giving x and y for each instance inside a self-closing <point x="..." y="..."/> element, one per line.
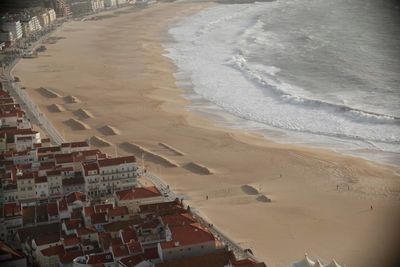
<point x="19" y="26"/>
<point x="24" y="24"/>
<point x="72" y="205"/>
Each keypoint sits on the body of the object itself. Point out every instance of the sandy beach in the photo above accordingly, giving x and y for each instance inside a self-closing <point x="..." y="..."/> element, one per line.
<point x="107" y="81"/>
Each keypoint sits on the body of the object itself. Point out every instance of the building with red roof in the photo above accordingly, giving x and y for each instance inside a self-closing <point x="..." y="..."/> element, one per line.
<point x="50" y="255"/>
<point x="41" y="187"/>
<point x="118" y="214"/>
<point x="71" y="242"/>
<point x="128" y="234"/>
<point x="133" y="198"/>
<point x="26" y="185"/>
<point x="74" y="147"/>
<point x="107" y="175"/>
<point x="97" y="220"/>
<point x="185" y="241"/>
<point x="69" y="256"/>
<point x="105" y="259"/>
<point x="52" y="210"/>
<point x="134" y="261"/>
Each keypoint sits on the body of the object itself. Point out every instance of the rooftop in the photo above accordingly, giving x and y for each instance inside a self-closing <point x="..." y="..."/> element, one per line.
<point x="186" y="235"/>
<point x="116" y="161"/>
<point x="138" y="193"/>
<point x="53" y="251"/>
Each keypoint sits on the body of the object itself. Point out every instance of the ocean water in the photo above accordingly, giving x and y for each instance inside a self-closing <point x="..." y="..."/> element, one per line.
<point x="319" y="72"/>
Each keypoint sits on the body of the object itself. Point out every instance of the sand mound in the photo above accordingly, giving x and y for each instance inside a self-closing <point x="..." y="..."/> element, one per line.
<point x="83" y="113"/>
<point x="197" y="168"/>
<point x="56" y="108"/>
<point x="76" y="124"/>
<point x="108" y="130"/>
<point x="171" y="149"/>
<point x="46" y="92"/>
<point x="148" y="155"/>
<point x="71" y="99"/>
<point x="263" y="198"/>
<point x="98" y="141"/>
<point x="250" y="190"/>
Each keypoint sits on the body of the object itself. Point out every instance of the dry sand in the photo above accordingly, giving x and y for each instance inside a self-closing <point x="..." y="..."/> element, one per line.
<point x="55" y="108"/>
<point x="108" y="130"/>
<point x="98" y="142"/>
<point x="115" y="67"/>
<point x="83" y="114"/>
<point x="76" y="125"/>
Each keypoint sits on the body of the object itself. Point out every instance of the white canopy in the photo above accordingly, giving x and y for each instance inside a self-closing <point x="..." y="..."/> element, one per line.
<point x="307" y="262"/>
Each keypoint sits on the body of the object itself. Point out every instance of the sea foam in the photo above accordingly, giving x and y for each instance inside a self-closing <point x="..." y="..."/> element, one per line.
<point x="212" y="48"/>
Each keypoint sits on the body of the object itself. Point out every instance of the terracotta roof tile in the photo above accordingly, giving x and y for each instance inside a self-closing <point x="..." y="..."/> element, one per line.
<point x="188" y="235"/>
<point x="52" y="209"/>
<point x="73" y="224"/>
<point x="178" y="219"/>
<point x="86" y="230"/>
<point x="89" y="167"/>
<point x="132" y="261"/>
<point x="71" y="241"/>
<point x="40" y="180"/>
<point x="135" y="247"/>
<point x="138" y="193"/>
<point x="128" y="234"/>
<point x="151" y="253"/>
<point x="100" y="258"/>
<point x="116" y="161"/>
<point x="41" y="240"/>
<point x="120" y="250"/>
<point x="69" y="256"/>
<point x="118" y="211"/>
<point x="53" y="251"/>
<point x="98" y="218"/>
<point x="88" y="211"/>
<point x="75" y="144"/>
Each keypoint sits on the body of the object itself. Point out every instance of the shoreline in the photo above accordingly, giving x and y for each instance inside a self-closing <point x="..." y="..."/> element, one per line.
<point x="164" y="118"/>
<point x="221" y="117"/>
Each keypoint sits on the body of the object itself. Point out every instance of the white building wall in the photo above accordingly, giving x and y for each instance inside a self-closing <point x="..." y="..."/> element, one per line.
<point x="54" y="185"/>
<point x="10" y="196"/>
<point x="26" y="189"/>
<point x="52" y="15"/>
<point x="14" y="27"/>
<point x="36" y="24"/>
<point x="110" y="3"/>
<point x="42" y="190"/>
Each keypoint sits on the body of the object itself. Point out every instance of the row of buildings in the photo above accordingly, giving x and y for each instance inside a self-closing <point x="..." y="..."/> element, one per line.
<point x="72" y="205"/>
<point x="23" y="24"/>
<point x="66" y="8"/>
